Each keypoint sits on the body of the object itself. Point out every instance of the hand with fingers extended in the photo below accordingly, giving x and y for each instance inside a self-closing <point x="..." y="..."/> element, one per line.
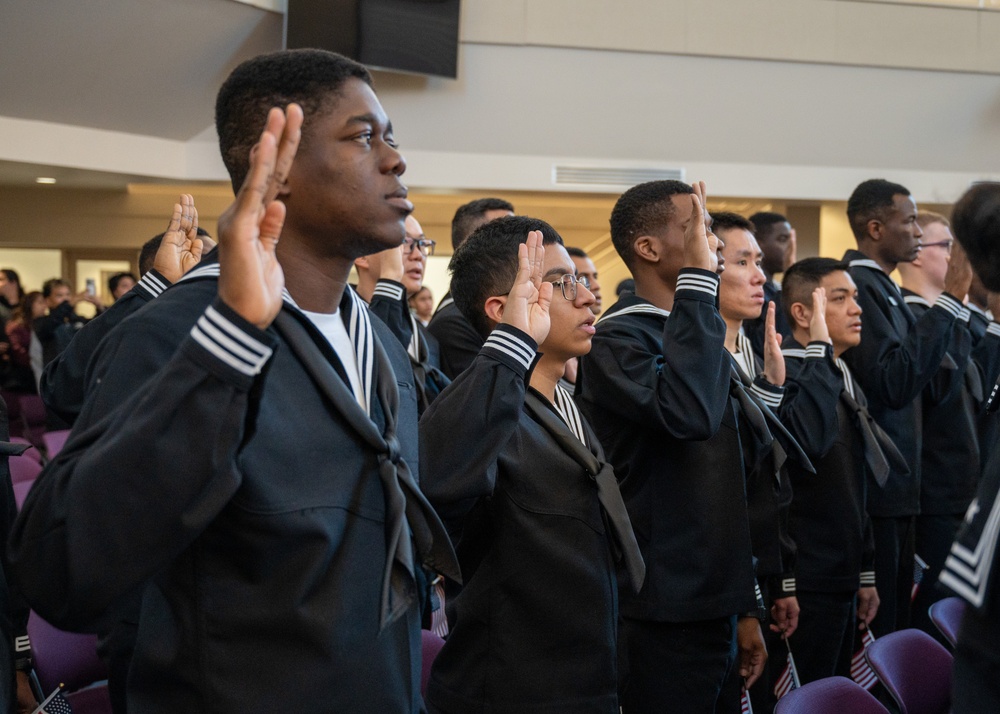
<point x="251" y="279"/>
<point x="818" y="331"/>
<point x="181" y="248"/>
<point x="700" y="244"/>
<point x="388" y="265"/>
<point x="958" y="276"/>
<point x="774" y="361"/>
<point x="527" y="306"/>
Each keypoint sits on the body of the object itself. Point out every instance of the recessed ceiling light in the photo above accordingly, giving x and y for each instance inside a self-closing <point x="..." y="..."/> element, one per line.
<point x="45" y="179"/>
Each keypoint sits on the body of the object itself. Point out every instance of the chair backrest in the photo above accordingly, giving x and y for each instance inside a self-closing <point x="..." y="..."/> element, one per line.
<point x="63" y="656"/>
<point x="55" y="441"/>
<point x="21" y="489"/>
<point x="431" y="644"/>
<point x="23" y="468"/>
<point x="915" y="669"/>
<point x="833" y="695"/>
<point x="947" y="617"/>
<point x="32" y="452"/>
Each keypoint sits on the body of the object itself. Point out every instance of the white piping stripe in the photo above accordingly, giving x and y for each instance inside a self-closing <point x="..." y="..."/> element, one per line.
<point x="915" y="300"/>
<point x="949" y="303"/>
<point x="816" y="351"/>
<point x="227" y="357"/>
<point x="220" y="320"/>
<point x="993" y="328"/>
<point x="634" y="309"/>
<point x="224" y="341"/>
<point x="514" y="343"/>
<point x="389" y="290"/>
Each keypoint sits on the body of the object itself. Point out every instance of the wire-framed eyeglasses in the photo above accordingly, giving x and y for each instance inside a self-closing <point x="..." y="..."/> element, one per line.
<point x="567" y="284"/>
<point x="946" y="244"/>
<point x="424" y="245"/>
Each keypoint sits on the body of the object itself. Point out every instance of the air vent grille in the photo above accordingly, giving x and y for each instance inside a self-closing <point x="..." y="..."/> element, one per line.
<point x="611" y="175"/>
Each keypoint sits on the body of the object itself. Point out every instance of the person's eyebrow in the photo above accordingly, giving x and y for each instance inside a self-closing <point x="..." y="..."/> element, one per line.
<point x="363" y="119"/>
<point x="839" y="290"/>
<point x="560" y="271"/>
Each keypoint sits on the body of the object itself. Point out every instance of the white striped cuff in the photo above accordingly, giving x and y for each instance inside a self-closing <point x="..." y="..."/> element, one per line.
<point x="22" y="644"/>
<point x="965" y="315"/>
<point x="389" y="289"/>
<point x="701" y="281"/>
<point x="153" y="283"/>
<point x="757" y="594"/>
<point x="788" y="585"/>
<point x="950" y="304"/>
<point x="993" y="329"/>
<point x="511" y="345"/>
<point x="868" y="579"/>
<point x="770" y="398"/>
<point x="229" y="343"/>
<point x="816" y="350"/>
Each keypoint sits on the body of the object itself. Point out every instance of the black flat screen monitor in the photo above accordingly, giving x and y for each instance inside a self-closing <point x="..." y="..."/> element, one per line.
<point x="419" y="36"/>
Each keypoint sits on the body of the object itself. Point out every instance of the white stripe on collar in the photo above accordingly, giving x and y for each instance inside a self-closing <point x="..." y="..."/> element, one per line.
<point x="634" y="309"/>
<point x="916" y="300"/>
<point x="567" y="409"/>
<point x="359" y="328"/>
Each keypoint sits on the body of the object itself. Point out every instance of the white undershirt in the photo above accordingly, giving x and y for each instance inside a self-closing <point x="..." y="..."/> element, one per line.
<point x="333" y="329"/>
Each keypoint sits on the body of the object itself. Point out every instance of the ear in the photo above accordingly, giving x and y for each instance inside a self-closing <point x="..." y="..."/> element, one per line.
<point x="362" y="263"/>
<point x="494" y="307"/>
<point x="874" y="229"/>
<point x="801" y="314"/>
<point x="647" y="248"/>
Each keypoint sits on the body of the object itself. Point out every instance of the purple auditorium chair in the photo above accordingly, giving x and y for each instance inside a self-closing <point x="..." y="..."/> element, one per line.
<point x="32" y="418"/>
<point x="947" y="617"/>
<point x="32" y="453"/>
<point x="431" y="644"/>
<point x="21" y="489"/>
<point x="69" y="659"/>
<point x="833" y="695"/>
<point x="915" y="669"/>
<point x="23" y="468"/>
<point x="55" y="441"/>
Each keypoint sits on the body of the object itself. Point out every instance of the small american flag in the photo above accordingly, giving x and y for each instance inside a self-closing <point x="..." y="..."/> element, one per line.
<point x="860" y="671"/>
<point x="789" y="678"/>
<point x="55" y="703"/>
<point x="919" y="568"/>
<point x="745" y="707"/>
<point x="439" y="622"/>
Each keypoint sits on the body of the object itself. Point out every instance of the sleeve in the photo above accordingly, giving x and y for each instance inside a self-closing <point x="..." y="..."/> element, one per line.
<point x="892" y="370"/>
<point x="809" y="408"/>
<point x="458" y="340"/>
<point x="483" y="407"/>
<point x="16" y="617"/>
<point x="131" y="490"/>
<point x="682" y="388"/>
<point x="64" y="385"/>
<point x="389" y="304"/>
<point x="950" y="376"/>
<point x="868" y="554"/>
<point x="986" y="354"/>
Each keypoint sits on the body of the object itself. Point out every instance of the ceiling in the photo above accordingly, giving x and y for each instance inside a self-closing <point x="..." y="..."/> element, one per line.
<point x="143" y="67"/>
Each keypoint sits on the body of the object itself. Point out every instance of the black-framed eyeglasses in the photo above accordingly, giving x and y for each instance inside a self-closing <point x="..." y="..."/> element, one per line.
<point x="424" y="245"/>
<point x="946" y="244"/>
<point x="567" y="284"/>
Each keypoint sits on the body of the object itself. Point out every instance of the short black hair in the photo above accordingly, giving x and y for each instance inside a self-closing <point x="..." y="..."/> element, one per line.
<point x="575" y="252"/>
<point x="802" y="278"/>
<point x="726" y="220"/>
<point x="117" y="278"/>
<point x="485" y="265"/>
<point x="469" y="216"/>
<point x="147" y="254"/>
<point x="51" y="284"/>
<point x="626" y="285"/>
<point x="645" y="209"/>
<point x="872" y="199"/>
<point x="975" y="221"/>
<point x="311" y="78"/>
<point x="763" y="220"/>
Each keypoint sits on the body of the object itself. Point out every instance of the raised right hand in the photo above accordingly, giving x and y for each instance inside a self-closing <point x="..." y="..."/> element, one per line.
<point x="527" y="306"/>
<point x="181" y="248"/>
<point x="700" y="244"/>
<point x="251" y="279"/>
<point x="958" y="278"/>
<point x="818" y="331"/>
